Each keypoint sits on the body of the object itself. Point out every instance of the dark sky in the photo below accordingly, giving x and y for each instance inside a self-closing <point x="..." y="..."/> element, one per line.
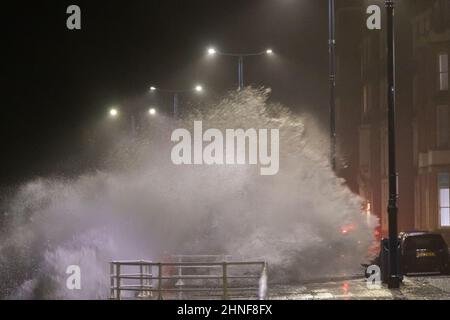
<point x="59" y="82"/>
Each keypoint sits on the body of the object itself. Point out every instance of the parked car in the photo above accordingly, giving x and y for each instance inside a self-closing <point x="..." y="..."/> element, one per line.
<point x="419" y="252"/>
<point x="423" y="252"/>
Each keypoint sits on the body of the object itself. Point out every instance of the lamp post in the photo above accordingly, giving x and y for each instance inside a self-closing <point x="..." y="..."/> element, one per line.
<point x="176" y="93"/>
<point x="240" y="57"/>
<point x="394" y="278"/>
<point x="332" y="80"/>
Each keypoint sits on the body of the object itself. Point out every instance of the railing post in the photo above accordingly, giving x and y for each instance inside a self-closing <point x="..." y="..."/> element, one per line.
<point x="263" y="283"/>
<point x="112" y="294"/>
<point x="180" y="281"/>
<point x="225" y="281"/>
<point x="118" y="281"/>
<point x="159" y="281"/>
<point x="148" y="282"/>
<point x="141" y="271"/>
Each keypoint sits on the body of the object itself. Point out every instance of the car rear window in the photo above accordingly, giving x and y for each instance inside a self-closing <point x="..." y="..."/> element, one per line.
<point x="424" y="242"/>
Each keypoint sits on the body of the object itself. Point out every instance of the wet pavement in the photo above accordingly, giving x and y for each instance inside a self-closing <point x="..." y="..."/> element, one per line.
<point x="413" y="288"/>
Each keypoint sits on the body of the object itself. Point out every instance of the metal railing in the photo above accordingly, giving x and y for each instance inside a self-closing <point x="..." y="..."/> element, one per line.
<point x="195" y="258"/>
<point x="142" y="278"/>
<point x="156" y="277"/>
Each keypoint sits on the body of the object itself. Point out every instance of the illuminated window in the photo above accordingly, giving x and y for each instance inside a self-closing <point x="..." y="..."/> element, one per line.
<point x="444" y="200"/>
<point x="443" y="71"/>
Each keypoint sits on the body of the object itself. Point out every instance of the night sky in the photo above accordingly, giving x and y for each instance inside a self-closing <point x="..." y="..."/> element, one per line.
<point x="59" y="82"/>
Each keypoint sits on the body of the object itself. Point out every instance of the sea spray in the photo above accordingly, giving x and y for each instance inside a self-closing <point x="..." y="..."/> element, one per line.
<point x="141" y="206"/>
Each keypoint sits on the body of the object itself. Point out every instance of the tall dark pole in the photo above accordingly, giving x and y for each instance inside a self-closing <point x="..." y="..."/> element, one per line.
<point x="394" y="279"/>
<point x="241" y="72"/>
<point x="332" y="57"/>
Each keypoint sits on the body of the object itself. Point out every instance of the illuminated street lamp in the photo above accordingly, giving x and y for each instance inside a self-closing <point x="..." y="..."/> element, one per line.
<point x="211" y="51"/>
<point x="113" y="112"/>
<point x="197" y="88"/>
<point x="152" y="111"/>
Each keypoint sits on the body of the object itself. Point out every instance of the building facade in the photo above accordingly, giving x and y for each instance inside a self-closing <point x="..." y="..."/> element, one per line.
<point x="362" y="111"/>
<point x="431" y="115"/>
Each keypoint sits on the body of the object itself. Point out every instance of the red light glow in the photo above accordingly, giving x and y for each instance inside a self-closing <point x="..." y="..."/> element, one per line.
<point x="346" y="229"/>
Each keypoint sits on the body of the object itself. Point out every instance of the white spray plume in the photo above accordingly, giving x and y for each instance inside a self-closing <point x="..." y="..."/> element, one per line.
<point x="144" y="206"/>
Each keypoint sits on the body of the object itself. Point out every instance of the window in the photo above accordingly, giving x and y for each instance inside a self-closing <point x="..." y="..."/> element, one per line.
<point x="442" y="120"/>
<point x="443" y="71"/>
<point x="365" y="100"/>
<point x="432" y="241"/>
<point x="444" y="200"/>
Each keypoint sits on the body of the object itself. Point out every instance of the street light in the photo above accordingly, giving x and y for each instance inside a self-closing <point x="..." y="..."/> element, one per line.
<point x="211" y="51"/>
<point x="197" y="88"/>
<point x="394" y="277"/>
<point x="152" y="111"/>
<point x="113" y="112"/>
<point x="332" y="80"/>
